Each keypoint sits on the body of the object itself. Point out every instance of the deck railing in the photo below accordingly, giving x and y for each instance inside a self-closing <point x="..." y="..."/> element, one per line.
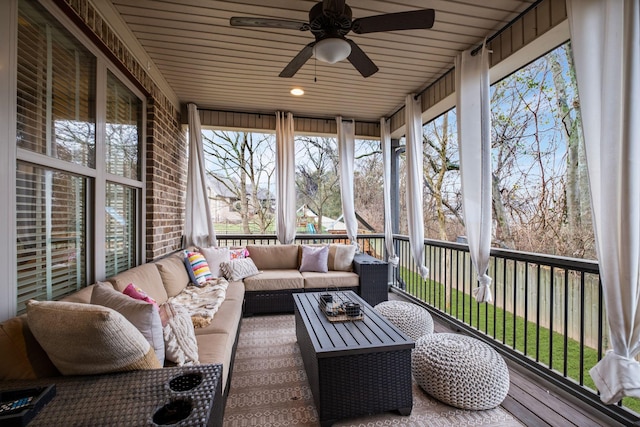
<point x="547" y="311"/>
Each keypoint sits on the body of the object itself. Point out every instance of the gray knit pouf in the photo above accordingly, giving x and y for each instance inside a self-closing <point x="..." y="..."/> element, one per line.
<point x="460" y="371"/>
<point x="413" y="320"/>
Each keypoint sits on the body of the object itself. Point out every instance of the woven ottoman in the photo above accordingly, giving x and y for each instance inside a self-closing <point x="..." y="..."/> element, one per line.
<point x="413" y="320"/>
<point x="460" y="371"/>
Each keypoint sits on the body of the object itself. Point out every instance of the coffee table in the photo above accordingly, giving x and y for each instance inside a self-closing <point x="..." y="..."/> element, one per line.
<point x="356" y="367"/>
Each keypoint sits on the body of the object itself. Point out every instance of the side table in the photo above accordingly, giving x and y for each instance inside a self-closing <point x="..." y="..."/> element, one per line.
<point x="185" y="396"/>
<point x="374" y="277"/>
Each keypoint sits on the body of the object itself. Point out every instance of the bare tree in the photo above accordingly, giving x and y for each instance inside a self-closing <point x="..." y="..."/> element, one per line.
<point x="440" y="158"/>
<point x="368" y="183"/>
<point x="578" y="231"/>
<point x="317" y="182"/>
<point x="243" y="163"/>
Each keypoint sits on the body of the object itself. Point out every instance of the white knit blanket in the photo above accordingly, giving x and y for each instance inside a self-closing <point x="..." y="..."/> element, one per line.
<point x="202" y="303"/>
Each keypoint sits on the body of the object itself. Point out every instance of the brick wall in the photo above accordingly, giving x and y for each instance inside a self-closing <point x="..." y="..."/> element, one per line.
<point x="166" y="179"/>
<point x="166" y="145"/>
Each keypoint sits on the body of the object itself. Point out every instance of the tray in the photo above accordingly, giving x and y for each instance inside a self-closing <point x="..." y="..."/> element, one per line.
<point x="34" y="400"/>
<point x="338" y="315"/>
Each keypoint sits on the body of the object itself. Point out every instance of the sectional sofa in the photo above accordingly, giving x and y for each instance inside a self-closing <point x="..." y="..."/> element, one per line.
<point x="269" y="291"/>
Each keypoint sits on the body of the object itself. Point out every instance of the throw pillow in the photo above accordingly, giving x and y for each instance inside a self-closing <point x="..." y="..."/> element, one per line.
<point x="143" y="315"/>
<point x="181" y="346"/>
<point x="238" y="253"/>
<point x="238" y="269"/>
<point x="138" y="294"/>
<point x="341" y="257"/>
<point x="86" y="339"/>
<point x="22" y="357"/>
<point x="215" y="257"/>
<point x="314" y="258"/>
<point x="197" y="264"/>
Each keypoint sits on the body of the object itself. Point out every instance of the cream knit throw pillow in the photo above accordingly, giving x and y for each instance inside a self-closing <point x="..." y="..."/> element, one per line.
<point x="84" y="339"/>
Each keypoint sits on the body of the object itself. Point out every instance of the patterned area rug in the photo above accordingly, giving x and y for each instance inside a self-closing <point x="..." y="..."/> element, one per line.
<point x="269" y="387"/>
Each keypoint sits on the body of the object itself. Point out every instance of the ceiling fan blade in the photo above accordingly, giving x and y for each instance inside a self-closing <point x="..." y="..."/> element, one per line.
<point x="250" y="21"/>
<point x="333" y="8"/>
<point x="298" y="61"/>
<point x="361" y="61"/>
<point x="411" y="20"/>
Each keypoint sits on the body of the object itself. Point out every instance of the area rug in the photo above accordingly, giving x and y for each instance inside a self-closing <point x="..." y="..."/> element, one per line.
<point x="269" y="387"/>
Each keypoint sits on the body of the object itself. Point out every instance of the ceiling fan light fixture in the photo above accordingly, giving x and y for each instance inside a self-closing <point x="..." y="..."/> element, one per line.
<point x="332" y="50"/>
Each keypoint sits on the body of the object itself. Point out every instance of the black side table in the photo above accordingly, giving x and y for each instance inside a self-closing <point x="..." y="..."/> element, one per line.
<point x="374" y="275"/>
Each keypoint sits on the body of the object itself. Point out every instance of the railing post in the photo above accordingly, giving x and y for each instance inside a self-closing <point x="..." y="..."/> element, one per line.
<point x="395" y="195"/>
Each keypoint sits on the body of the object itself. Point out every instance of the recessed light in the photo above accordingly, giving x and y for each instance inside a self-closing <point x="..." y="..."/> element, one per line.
<point x="296" y="91"/>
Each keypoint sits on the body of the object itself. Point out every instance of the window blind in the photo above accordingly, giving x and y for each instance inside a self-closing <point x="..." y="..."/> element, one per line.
<point x="51" y="229"/>
<point x="123" y="130"/>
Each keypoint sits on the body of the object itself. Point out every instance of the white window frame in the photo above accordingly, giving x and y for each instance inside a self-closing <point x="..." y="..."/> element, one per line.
<point x="10" y="155"/>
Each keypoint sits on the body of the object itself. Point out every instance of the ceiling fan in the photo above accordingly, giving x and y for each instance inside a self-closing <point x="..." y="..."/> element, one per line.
<point x="330" y="21"/>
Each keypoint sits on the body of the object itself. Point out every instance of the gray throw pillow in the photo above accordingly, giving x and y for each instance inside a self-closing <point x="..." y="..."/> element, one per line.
<point x="314" y="258"/>
<point x="238" y="269"/>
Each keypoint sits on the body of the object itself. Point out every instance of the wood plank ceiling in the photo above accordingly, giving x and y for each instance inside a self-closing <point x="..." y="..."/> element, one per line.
<point x="206" y="61"/>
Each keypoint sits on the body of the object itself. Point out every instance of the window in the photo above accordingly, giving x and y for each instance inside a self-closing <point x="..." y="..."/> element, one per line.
<point x="51" y="230"/>
<point x="56" y="90"/>
<point x="540" y="195"/>
<point x="120" y="233"/>
<point x="318" y="185"/>
<point x="240" y="169"/>
<point x="77" y="212"/>
<point x="122" y="138"/>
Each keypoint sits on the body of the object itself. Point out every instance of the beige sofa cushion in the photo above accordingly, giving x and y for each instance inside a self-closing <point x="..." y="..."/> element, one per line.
<point x="22" y="357"/>
<point x="85" y="339"/>
<point x="235" y="292"/>
<point x="146" y="277"/>
<point x="274" y="257"/>
<point x="216" y="348"/>
<point x="227" y="319"/>
<point x="274" y="280"/>
<point x="173" y="273"/>
<point x="83" y="295"/>
<point x="332" y="279"/>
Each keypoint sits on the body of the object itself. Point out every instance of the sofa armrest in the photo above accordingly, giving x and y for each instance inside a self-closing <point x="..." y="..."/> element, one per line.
<point x="373" y="277"/>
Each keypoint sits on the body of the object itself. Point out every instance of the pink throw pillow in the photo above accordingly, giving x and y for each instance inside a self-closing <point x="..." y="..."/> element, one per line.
<point x="238" y="253"/>
<point x="136" y="293"/>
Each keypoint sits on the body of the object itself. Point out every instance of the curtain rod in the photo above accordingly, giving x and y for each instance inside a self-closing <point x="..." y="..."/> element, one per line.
<point x="477" y="49"/>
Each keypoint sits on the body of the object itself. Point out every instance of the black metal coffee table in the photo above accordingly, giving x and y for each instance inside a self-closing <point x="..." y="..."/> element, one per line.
<point x="354" y="368"/>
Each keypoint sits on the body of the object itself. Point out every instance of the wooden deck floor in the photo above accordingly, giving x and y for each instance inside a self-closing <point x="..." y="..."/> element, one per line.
<point x="535" y="402"/>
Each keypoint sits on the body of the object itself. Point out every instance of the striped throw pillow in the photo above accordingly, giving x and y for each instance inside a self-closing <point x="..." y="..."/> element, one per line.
<point x="199" y="268"/>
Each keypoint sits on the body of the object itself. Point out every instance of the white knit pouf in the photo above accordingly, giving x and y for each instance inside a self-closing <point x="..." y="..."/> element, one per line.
<point x="413" y="320"/>
<point x="460" y="371"/>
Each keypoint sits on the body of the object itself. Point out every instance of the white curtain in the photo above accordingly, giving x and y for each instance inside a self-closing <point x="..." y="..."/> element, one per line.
<point x="285" y="179"/>
<point x="385" y="145"/>
<point x="346" y="153"/>
<point x="605" y="36"/>
<point x="415" y="179"/>
<point x="198" y="229"/>
<point x="474" y="142"/>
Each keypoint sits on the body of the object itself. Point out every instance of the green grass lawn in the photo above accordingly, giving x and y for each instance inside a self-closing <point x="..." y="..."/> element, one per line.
<point x="538" y="343"/>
